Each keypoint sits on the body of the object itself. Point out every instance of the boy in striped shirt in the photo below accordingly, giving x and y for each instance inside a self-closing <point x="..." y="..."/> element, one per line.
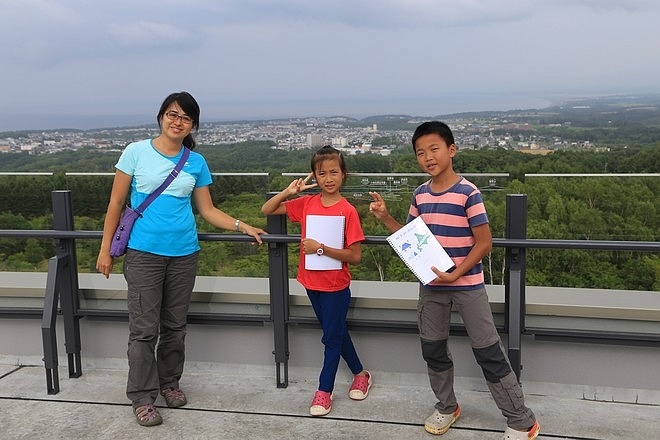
<point x="453" y="209"/>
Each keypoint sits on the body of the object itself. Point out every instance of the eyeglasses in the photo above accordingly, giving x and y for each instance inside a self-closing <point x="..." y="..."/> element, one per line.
<point x="172" y="116"/>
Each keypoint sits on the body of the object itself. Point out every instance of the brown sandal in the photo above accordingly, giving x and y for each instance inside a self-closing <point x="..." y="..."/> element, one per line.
<point x="147" y="415"/>
<point x="174" y="397"/>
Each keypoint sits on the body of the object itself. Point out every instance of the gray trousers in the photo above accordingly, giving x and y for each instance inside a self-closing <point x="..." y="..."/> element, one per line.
<point x="159" y="293"/>
<point x="434" y="315"/>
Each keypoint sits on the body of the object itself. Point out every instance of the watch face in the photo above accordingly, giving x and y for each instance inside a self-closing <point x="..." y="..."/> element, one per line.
<point x="319" y="251"/>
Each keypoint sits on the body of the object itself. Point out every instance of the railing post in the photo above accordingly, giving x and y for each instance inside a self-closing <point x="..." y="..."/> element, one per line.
<point x="514" y="277"/>
<point x="49" y="330"/>
<point x="68" y="284"/>
<point x="278" y="279"/>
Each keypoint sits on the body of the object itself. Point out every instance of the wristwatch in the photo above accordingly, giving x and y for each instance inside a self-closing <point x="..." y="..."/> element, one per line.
<point x="320" y="251"/>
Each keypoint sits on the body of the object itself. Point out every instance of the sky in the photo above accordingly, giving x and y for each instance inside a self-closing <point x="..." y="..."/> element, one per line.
<point x="92" y="63"/>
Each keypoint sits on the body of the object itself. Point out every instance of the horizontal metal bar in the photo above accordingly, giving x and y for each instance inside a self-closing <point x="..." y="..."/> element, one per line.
<point x="594" y="336"/>
<point x="593" y="175"/>
<point x="240" y="174"/>
<point x="404" y="174"/>
<point x="193" y="317"/>
<point x="378" y="325"/>
<point x="50" y="233"/>
<point x="21" y="312"/>
<point x="75" y="174"/>
<point x="25" y="173"/>
<point x="612" y="245"/>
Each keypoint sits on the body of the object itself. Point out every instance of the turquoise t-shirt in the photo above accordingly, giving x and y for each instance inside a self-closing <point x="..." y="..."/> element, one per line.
<point x="168" y="225"/>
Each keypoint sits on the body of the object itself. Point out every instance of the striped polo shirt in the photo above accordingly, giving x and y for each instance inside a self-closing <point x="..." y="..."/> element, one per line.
<point x="450" y="215"/>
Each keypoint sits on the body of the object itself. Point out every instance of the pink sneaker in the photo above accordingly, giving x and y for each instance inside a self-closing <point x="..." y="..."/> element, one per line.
<point x="360" y="386"/>
<point x="321" y="403"/>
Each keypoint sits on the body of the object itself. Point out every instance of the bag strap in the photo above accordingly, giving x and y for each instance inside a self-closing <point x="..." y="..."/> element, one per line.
<point x="175" y="172"/>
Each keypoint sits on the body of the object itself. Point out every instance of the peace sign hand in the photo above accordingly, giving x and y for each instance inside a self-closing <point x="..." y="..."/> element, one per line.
<point x="300" y="185"/>
<point x="378" y="206"/>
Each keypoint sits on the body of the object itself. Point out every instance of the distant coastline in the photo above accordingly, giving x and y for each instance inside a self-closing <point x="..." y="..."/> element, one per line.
<point x="447" y="105"/>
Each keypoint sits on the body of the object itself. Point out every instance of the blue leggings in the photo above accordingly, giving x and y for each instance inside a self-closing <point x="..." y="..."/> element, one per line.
<point x="331" y="309"/>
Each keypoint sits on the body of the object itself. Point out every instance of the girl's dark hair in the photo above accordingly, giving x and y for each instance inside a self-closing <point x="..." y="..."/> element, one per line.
<point x="328" y="152"/>
<point x="188" y="105"/>
<point x="433" y="127"/>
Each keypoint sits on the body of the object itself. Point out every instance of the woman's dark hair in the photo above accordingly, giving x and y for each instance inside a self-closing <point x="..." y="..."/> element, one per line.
<point x="189" y="106"/>
<point x="328" y="152"/>
<point x="433" y="127"/>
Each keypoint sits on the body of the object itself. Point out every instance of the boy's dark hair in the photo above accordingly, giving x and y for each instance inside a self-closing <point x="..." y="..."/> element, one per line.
<point x="433" y="127"/>
<point x="189" y="105"/>
<point x="327" y="152"/>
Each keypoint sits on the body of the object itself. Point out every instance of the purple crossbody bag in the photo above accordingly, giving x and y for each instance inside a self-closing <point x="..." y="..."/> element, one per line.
<point x="123" y="232"/>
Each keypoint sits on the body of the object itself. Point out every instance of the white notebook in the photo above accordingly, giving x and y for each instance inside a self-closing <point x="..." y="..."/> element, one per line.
<point x="419" y="249"/>
<point x="329" y="230"/>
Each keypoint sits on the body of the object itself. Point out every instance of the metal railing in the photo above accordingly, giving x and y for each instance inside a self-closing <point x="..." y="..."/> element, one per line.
<point x="62" y="285"/>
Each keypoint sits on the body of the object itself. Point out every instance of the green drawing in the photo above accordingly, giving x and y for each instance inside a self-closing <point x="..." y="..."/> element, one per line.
<point x="422" y="240"/>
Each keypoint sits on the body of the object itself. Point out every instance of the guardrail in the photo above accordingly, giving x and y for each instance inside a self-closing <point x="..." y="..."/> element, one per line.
<point x="62" y="284"/>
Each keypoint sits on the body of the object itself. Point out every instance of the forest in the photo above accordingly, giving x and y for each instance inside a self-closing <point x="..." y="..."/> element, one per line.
<point x="575" y="208"/>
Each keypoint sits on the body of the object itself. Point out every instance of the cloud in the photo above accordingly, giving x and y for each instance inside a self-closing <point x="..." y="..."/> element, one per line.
<point x="268" y="56"/>
<point x="146" y="35"/>
<point x="44" y="34"/>
<point x="606" y="5"/>
<point x="379" y="14"/>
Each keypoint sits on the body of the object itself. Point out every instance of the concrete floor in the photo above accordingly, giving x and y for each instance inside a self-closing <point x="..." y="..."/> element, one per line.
<point x="243" y="402"/>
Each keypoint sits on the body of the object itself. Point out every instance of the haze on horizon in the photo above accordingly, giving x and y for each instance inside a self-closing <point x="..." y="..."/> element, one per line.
<point x="81" y="64"/>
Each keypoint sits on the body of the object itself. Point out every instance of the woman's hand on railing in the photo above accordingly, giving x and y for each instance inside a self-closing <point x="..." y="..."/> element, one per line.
<point x="251" y="231"/>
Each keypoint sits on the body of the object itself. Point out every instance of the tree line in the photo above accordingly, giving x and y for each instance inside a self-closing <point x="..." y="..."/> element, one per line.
<point x="583" y="208"/>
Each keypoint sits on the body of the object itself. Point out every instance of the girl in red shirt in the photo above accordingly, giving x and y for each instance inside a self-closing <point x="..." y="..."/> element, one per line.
<point x="323" y="266"/>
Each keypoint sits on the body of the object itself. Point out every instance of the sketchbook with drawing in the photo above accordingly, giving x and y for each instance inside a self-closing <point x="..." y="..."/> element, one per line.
<point x="329" y="230"/>
<point x="419" y="249"/>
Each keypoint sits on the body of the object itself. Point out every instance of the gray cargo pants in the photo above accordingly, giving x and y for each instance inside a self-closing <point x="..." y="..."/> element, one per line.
<point x="434" y="316"/>
<point x="159" y="293"/>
